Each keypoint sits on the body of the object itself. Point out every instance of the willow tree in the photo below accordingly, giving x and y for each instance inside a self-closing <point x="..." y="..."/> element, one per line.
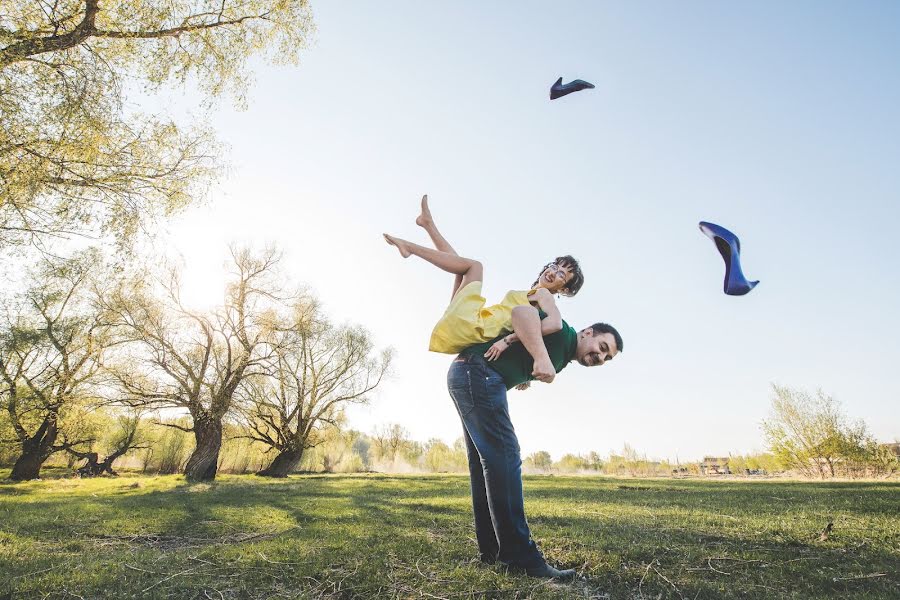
<point x="191" y="360"/>
<point x="74" y="160"/>
<point x="52" y="345"/>
<point x="316" y="370"/>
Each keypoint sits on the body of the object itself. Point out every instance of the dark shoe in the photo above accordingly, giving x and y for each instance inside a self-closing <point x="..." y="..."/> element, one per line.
<point x="559" y="89"/>
<point x="549" y="572"/>
<point x="729" y="246"/>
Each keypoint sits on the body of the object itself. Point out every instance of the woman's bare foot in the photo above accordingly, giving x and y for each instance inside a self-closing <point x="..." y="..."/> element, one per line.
<point x="398" y="243"/>
<point x="424" y="219"/>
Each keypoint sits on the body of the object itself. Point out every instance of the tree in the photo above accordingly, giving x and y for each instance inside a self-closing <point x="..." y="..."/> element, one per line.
<point x="389" y="440"/>
<point x="571" y="463"/>
<point x="811" y="434"/>
<point x="127" y="436"/>
<point x="316" y="370"/>
<point x="361" y="446"/>
<point x="51" y="349"/>
<point x="74" y="159"/>
<point x="540" y="460"/>
<point x="593" y="461"/>
<point x="194" y="361"/>
<point x="438" y="457"/>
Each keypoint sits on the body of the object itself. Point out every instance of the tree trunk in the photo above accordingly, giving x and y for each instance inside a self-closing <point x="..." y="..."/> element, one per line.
<point x="283" y="464"/>
<point x="35" y="451"/>
<point x="92" y="468"/>
<point x="202" y="464"/>
<point x="95" y="468"/>
<point x="28" y="465"/>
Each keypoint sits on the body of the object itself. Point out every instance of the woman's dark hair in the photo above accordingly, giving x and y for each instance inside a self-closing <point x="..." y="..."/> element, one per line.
<point x="605" y="328"/>
<point x="575" y="282"/>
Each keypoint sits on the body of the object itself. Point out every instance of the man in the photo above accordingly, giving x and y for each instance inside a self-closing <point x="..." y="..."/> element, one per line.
<point x="478" y="388"/>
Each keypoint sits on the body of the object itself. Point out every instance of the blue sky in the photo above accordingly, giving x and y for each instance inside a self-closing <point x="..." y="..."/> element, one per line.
<point x="777" y="121"/>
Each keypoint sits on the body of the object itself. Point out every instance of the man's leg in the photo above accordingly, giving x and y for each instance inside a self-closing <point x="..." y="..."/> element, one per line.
<point x="426" y="222"/>
<point x="484" y="527"/>
<point x="495" y="438"/>
<point x="480" y="396"/>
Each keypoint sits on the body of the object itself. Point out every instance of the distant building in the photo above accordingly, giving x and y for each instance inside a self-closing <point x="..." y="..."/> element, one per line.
<point x="893" y="447"/>
<point x="715" y="465"/>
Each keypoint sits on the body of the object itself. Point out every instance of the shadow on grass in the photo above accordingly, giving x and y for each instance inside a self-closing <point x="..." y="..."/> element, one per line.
<point x="399" y="536"/>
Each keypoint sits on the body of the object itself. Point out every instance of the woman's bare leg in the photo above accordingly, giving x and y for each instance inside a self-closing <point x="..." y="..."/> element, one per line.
<point x="466" y="269"/>
<point x="425" y="221"/>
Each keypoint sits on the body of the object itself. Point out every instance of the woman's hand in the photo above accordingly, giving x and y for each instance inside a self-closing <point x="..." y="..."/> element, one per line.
<point x="523" y="386"/>
<point x="498" y="348"/>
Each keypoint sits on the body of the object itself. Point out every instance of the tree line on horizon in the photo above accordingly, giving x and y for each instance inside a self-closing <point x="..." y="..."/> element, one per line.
<point x="142" y="442"/>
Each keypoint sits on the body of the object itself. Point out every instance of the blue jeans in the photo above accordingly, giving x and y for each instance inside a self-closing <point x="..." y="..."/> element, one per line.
<point x="495" y="464"/>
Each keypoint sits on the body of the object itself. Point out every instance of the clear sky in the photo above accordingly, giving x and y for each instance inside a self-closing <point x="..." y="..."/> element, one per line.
<point x="778" y="121"/>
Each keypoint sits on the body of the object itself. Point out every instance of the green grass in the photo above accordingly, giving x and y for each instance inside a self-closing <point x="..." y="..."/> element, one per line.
<point x="412" y="537"/>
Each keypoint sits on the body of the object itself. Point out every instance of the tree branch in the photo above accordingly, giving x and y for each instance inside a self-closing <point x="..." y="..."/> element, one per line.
<point x="175" y="426"/>
<point x="29" y="47"/>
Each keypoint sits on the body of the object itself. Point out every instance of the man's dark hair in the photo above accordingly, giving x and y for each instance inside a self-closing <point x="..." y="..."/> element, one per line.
<point x="575" y="282"/>
<point x="605" y="328"/>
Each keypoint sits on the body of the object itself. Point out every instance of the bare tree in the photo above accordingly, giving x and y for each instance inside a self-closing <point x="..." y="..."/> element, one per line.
<point x="51" y="349"/>
<point x="317" y="369"/>
<point x="389" y="440"/>
<point x="195" y="361"/>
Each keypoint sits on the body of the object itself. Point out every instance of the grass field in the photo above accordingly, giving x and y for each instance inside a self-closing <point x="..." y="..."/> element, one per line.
<point x="379" y="536"/>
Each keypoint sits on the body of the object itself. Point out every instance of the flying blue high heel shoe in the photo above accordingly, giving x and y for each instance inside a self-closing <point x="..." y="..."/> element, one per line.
<point x="729" y="247"/>
<point x="558" y="90"/>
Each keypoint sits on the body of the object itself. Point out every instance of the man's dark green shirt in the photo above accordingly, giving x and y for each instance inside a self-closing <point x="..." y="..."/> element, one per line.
<point x="515" y="365"/>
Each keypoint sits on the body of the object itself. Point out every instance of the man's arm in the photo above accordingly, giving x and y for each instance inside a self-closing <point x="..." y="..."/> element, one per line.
<point x="553" y="321"/>
<point x="527" y="326"/>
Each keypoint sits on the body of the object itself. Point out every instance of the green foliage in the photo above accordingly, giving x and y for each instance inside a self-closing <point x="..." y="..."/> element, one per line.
<point x="53" y="340"/>
<point x="335" y="452"/>
<point x="168" y="449"/>
<point x="438" y="457"/>
<point x="241" y="455"/>
<point x="540" y="461"/>
<point x="315" y="371"/>
<point x="630" y="462"/>
<point x="570" y="463"/>
<point x="9" y="443"/>
<point x="764" y="462"/>
<point x="73" y="159"/>
<point x="810" y="434"/>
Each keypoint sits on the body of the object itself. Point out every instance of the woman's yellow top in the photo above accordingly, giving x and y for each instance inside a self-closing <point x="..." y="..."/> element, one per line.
<point x="467" y="321"/>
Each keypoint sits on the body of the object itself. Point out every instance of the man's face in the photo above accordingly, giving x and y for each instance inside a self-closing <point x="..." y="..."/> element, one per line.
<point x="595" y="349"/>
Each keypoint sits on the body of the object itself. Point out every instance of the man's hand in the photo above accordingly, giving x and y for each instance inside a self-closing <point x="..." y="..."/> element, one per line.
<point x="498" y="348"/>
<point x="523" y="386"/>
<point x="543" y="370"/>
